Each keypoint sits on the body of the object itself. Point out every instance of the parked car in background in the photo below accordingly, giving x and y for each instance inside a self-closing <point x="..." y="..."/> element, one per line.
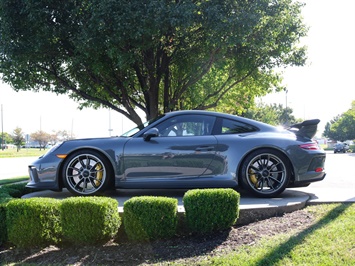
<point x="186" y="149"/>
<point x="341" y="147"/>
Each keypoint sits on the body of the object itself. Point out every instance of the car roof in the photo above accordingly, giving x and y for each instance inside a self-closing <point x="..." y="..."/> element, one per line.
<point x="262" y="126"/>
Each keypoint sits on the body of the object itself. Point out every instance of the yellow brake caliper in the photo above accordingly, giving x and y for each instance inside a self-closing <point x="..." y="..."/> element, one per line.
<point x="99" y="174"/>
<point x="252" y="177"/>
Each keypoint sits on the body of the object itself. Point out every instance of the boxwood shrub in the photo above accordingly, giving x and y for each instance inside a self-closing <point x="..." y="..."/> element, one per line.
<point x="4" y="198"/>
<point x="33" y="222"/>
<point x="148" y="217"/>
<point x="207" y="210"/>
<point x="18" y="189"/>
<point x="88" y="220"/>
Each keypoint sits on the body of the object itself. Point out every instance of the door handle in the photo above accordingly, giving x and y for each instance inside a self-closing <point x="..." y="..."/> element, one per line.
<point x="204" y="148"/>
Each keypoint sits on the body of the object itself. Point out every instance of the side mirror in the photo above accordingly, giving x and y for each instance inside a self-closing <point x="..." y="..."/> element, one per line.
<point x="150" y="133"/>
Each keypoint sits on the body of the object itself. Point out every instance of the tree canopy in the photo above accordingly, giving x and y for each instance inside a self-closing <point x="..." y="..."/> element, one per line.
<point x="273" y="114"/>
<point x="18" y="138"/>
<point x="342" y="127"/>
<point x="155" y="56"/>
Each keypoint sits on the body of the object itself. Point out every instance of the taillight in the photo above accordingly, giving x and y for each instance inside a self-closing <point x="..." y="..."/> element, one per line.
<point x="310" y="146"/>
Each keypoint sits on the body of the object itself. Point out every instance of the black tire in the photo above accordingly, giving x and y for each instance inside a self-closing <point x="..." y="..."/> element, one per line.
<point x="86" y="173"/>
<point x="265" y="173"/>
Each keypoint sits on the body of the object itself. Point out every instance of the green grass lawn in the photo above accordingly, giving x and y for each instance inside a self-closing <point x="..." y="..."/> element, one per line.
<point x="329" y="241"/>
<point x="13" y="180"/>
<point x="12" y="153"/>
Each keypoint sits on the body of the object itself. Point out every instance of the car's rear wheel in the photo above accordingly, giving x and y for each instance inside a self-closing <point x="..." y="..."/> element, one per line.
<point x="86" y="173"/>
<point x="265" y="173"/>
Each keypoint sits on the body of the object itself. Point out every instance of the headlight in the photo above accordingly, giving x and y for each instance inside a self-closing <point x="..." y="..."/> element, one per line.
<point x="56" y="146"/>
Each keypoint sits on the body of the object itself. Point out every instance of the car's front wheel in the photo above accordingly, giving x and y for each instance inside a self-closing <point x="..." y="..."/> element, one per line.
<point x="265" y="173"/>
<point x="86" y="173"/>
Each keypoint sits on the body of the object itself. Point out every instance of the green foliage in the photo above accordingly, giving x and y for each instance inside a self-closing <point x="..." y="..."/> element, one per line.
<point x="7" y="139"/>
<point x="16" y="190"/>
<point x="342" y="127"/>
<point x="154" y="55"/>
<point x="272" y="114"/>
<point x="43" y="138"/>
<point x="15" y="193"/>
<point x="148" y="217"/>
<point x="211" y="209"/>
<point x="18" y="138"/>
<point x="33" y="222"/>
<point x="4" y="199"/>
<point x="87" y="220"/>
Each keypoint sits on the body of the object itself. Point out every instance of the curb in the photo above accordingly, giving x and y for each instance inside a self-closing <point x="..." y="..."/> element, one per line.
<point x="250" y="209"/>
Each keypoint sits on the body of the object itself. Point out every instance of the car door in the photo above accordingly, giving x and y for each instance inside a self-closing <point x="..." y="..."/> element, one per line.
<point x="184" y="149"/>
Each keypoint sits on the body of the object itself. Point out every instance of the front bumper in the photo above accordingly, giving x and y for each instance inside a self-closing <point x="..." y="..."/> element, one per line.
<point x="43" y="175"/>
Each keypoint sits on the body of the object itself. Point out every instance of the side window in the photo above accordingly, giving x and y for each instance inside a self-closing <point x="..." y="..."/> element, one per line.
<point x="236" y="127"/>
<point x="187" y="125"/>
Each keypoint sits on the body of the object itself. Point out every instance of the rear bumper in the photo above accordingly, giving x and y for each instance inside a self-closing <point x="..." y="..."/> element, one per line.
<point x="312" y="171"/>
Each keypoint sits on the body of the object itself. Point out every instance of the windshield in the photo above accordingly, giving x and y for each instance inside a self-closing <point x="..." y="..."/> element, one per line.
<point x="133" y="131"/>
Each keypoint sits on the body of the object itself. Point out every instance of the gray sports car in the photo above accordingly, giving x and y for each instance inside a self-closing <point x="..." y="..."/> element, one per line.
<point x="186" y="149"/>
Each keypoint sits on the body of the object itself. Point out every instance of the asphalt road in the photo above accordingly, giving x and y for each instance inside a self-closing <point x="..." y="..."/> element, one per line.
<point x="15" y="167"/>
<point x="338" y="185"/>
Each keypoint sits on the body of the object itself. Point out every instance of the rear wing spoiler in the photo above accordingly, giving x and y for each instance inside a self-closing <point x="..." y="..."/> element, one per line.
<point x="307" y="128"/>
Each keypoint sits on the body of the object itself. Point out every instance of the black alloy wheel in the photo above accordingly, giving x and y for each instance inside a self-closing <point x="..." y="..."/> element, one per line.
<point x="86" y="173"/>
<point x="265" y="173"/>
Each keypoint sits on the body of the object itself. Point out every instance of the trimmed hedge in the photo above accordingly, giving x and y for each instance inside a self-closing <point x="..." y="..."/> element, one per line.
<point x="149" y="217"/>
<point x="7" y="193"/>
<point x="4" y="198"/>
<point x="207" y="210"/>
<point x="87" y="220"/>
<point x="33" y="222"/>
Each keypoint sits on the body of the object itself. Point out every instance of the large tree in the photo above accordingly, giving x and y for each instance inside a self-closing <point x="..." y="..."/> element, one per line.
<point x="149" y="55"/>
<point x="18" y="138"/>
<point x="273" y="114"/>
<point x="43" y="138"/>
<point x="342" y="127"/>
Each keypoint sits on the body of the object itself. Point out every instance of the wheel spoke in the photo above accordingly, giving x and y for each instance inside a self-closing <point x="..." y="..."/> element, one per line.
<point x="266" y="174"/>
<point x="260" y="184"/>
<point x="277" y="172"/>
<point x="85" y="174"/>
<point x="81" y="161"/>
<point x="78" y="184"/>
<point x="270" y="184"/>
<point x="85" y="185"/>
<point x="256" y="169"/>
<point x="74" y="171"/>
<point x="274" y="179"/>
